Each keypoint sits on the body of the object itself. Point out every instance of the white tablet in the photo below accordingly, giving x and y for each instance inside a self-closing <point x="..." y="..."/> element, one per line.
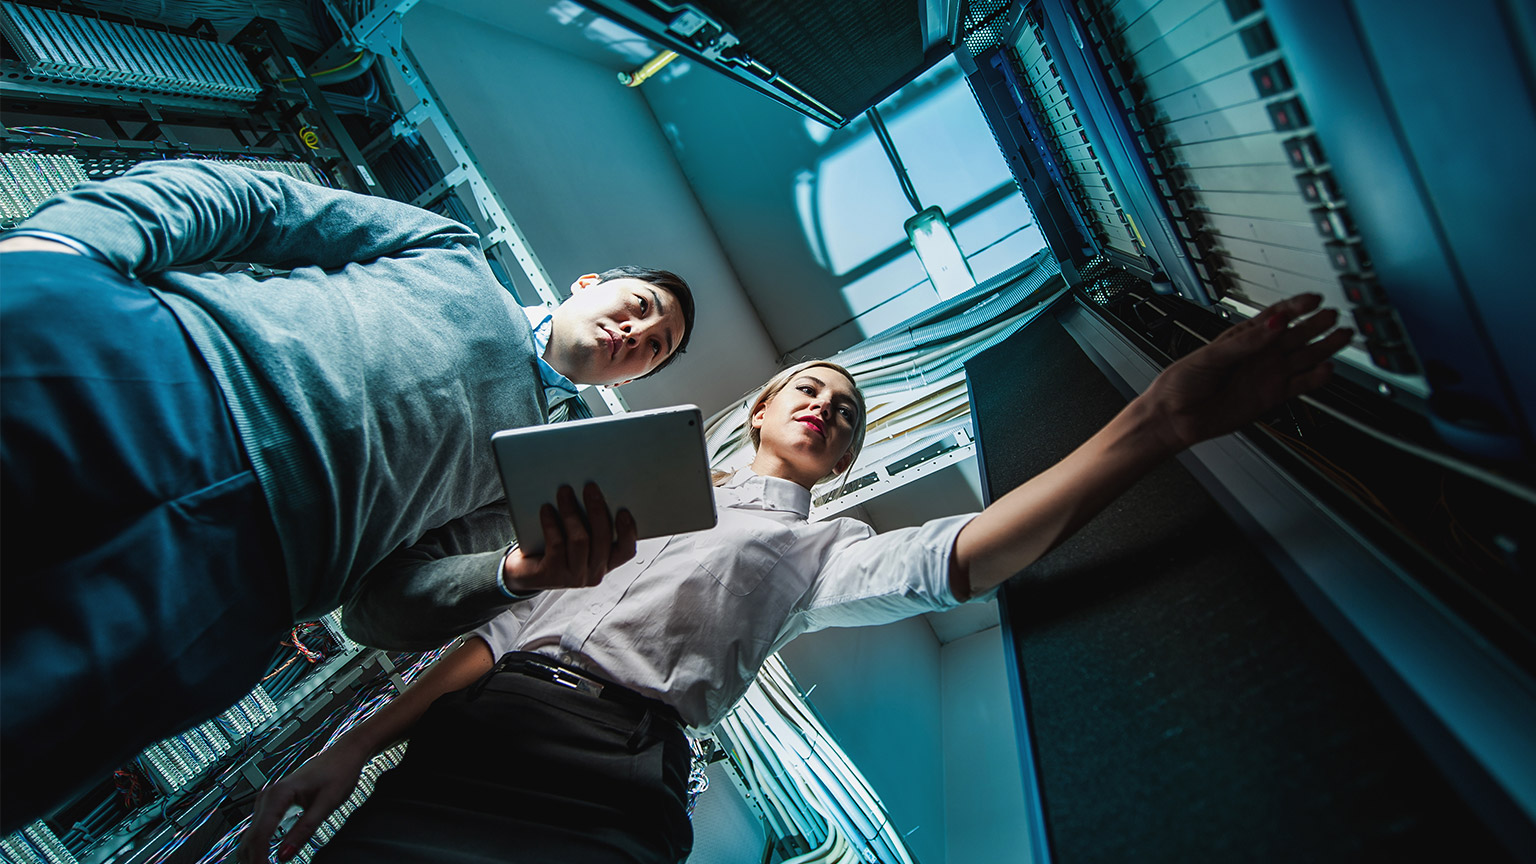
<point x="651" y="463"/>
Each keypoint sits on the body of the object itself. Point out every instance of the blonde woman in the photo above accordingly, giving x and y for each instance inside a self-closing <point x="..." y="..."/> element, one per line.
<point x="571" y="747"/>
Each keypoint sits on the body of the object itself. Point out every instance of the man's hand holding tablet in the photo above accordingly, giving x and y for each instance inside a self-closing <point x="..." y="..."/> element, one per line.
<point x="576" y="554"/>
<point x="651" y="465"/>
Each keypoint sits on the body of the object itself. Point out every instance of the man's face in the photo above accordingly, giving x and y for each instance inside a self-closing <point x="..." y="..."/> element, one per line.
<point x="612" y="332"/>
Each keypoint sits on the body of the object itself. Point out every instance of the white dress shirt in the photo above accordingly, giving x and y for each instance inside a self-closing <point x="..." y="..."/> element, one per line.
<point x="691" y="618"/>
<point x="557" y="387"/>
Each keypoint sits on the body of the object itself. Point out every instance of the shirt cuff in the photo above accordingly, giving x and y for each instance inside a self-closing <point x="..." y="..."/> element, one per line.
<point x="501" y="580"/>
<point x="63" y="239"/>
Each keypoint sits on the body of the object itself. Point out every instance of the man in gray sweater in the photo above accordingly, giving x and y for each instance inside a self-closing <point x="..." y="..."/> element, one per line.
<point x="192" y="462"/>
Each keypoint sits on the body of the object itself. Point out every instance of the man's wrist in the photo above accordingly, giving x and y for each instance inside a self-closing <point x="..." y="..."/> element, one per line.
<point x="501" y="579"/>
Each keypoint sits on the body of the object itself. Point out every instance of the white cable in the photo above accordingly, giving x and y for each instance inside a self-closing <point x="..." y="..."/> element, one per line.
<point x="1503" y="484"/>
<point x="1471" y="471"/>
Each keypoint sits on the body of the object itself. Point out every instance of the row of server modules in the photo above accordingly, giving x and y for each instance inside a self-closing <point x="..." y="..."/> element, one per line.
<point x="1237" y="152"/>
<point x="103" y="53"/>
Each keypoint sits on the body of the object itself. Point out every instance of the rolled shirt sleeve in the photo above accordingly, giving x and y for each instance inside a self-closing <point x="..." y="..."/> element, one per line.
<point x="881" y="578"/>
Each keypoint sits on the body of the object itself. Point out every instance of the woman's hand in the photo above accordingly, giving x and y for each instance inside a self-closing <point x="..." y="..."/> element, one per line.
<point x="319" y="786"/>
<point x="578" y="549"/>
<point x="1247" y="370"/>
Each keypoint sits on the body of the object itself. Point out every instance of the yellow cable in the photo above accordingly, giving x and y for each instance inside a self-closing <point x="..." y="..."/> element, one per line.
<point x="348" y="64"/>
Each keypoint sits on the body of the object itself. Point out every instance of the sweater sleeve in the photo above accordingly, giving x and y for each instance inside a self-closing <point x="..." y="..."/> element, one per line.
<point x="168" y="214"/>
<point x="422" y="595"/>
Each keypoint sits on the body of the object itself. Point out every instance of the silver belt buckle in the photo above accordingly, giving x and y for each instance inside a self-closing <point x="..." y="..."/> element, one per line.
<point x="574" y="681"/>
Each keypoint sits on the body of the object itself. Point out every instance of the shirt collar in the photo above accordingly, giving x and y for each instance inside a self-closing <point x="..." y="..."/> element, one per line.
<point x="770" y="493"/>
<point x="557" y="387"/>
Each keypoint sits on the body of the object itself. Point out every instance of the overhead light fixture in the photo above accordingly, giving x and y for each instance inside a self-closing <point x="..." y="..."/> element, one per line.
<point x="935" y="244"/>
<point x="928" y="230"/>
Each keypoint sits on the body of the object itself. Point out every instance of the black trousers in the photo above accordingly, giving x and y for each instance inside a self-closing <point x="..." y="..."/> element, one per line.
<point x="518" y="769"/>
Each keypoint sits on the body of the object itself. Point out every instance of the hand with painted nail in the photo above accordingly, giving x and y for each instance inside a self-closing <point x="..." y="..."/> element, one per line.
<point x="1249" y="369"/>
<point x="314" y="792"/>
<point x="582" y="542"/>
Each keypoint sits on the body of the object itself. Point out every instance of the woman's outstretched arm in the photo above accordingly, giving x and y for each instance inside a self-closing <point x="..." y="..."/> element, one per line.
<point x="1244" y="372"/>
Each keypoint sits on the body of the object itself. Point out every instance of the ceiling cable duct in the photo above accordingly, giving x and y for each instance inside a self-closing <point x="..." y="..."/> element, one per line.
<point x="647" y="69"/>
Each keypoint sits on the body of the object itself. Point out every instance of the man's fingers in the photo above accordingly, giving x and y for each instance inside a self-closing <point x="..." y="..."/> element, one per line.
<point x="601" y="526"/>
<point x="623" y="547"/>
<point x="577" y="541"/>
<point x="554" y="537"/>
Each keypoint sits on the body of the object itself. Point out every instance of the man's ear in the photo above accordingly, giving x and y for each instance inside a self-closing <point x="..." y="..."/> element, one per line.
<point x="586" y="281"/>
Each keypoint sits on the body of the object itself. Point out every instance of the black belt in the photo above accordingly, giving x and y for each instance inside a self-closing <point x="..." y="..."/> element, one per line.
<point x="549" y="669"/>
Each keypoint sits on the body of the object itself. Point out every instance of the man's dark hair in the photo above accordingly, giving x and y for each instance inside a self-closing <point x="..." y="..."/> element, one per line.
<point x="669" y="282"/>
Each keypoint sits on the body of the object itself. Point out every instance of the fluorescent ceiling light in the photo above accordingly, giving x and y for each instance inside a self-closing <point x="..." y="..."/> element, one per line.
<point x="935" y="245"/>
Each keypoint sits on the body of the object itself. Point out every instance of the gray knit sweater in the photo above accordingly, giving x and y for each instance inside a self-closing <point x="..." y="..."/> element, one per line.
<point x="365" y="385"/>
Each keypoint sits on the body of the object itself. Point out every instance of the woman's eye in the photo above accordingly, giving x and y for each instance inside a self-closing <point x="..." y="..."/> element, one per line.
<point x="847" y="413"/>
<point x="806" y="389"/>
<point x="643" y="305"/>
<point x="655" y="348"/>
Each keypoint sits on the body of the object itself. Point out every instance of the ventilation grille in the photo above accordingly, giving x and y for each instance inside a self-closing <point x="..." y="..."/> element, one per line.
<point x="1104" y="283"/>
<point x="984" y="25"/>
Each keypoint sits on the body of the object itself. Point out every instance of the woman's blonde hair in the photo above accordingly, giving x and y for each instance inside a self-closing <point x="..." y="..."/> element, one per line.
<point x="781" y="380"/>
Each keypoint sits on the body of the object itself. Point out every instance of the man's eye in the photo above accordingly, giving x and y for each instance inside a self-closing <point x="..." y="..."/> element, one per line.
<point x="643" y="305"/>
<point x="655" y="348"/>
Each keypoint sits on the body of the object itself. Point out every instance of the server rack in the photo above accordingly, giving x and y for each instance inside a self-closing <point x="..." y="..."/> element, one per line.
<point x="1257" y="151"/>
<point x="1235" y="153"/>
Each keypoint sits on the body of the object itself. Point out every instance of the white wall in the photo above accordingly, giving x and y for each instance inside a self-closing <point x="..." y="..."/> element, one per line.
<point x="983" y="787"/>
<point x="590" y="179"/>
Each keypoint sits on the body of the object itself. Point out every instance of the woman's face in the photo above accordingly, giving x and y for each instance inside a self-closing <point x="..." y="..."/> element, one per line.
<point x="808" y="426"/>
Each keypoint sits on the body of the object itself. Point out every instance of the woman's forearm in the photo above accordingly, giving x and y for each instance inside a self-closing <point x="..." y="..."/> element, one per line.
<point x="1247" y="370"/>
<point x="1032" y="519"/>
<point x="461" y="668"/>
